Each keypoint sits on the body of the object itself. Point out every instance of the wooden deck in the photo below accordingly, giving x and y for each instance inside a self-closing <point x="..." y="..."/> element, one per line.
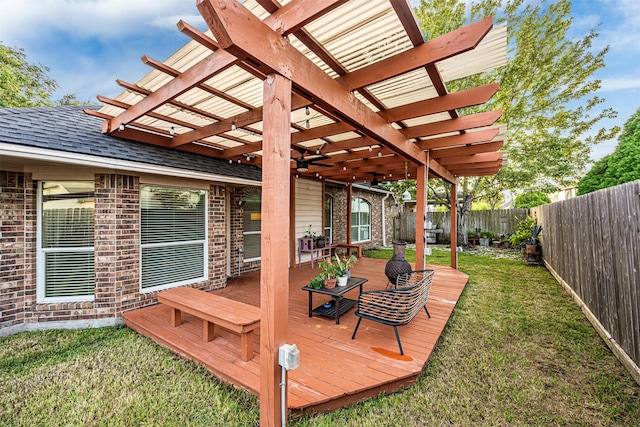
<point x="335" y="371"/>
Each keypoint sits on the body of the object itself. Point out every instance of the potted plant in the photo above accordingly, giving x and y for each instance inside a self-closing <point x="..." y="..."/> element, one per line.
<point x="318" y="240"/>
<point x="343" y="268"/>
<point x="328" y="271"/>
<point x="484" y="238"/>
<point x="531" y="244"/>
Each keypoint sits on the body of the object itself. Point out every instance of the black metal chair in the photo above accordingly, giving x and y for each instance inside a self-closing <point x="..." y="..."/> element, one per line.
<point x="396" y="307"/>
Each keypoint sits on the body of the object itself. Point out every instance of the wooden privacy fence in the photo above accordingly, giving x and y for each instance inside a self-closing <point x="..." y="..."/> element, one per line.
<point x="499" y="221"/>
<point x="592" y="245"/>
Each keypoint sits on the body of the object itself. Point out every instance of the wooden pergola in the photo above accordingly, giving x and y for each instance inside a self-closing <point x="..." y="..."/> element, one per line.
<point x="331" y="89"/>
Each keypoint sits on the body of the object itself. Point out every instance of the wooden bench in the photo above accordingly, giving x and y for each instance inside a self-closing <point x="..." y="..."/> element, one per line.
<point x="214" y="310"/>
<point x="349" y="247"/>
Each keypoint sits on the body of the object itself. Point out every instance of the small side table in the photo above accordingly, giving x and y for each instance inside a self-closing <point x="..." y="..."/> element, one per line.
<point x="340" y="304"/>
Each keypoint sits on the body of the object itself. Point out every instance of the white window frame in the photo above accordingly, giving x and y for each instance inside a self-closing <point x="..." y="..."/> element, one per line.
<point x="205" y="266"/>
<point x="41" y="254"/>
<point x="360" y="226"/>
<point x="328" y="228"/>
<point x="252" y="233"/>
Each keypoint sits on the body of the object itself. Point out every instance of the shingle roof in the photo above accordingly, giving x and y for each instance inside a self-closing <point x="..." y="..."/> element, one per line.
<point x="70" y="129"/>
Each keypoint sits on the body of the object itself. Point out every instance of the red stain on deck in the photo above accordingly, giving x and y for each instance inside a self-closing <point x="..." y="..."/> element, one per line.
<point x="392" y="354"/>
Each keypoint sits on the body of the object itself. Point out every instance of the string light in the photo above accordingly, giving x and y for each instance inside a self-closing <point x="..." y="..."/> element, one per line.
<point x="172" y="131"/>
<point x="306" y="110"/>
<point x="307" y="125"/>
<point x="370" y="148"/>
<point x="121" y="127"/>
<point x="379" y="153"/>
<point x="233" y="125"/>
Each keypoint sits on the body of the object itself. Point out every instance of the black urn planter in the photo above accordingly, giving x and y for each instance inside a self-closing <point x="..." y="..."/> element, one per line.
<point x="398" y="264"/>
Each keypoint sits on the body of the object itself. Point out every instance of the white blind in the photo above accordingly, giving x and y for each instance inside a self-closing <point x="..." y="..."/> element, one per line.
<point x="173" y="235"/>
<point x="66" y="240"/>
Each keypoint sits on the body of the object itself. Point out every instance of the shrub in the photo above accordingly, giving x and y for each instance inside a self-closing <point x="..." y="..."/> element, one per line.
<point x="531" y="200"/>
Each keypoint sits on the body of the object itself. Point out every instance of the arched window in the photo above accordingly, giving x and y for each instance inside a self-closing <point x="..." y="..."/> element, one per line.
<point x="328" y="217"/>
<point x="360" y="220"/>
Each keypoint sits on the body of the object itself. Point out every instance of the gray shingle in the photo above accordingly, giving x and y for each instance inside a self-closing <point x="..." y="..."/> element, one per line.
<point x="70" y="129"/>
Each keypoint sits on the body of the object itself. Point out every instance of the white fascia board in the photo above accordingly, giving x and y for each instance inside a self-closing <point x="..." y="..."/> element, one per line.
<point x="56" y="156"/>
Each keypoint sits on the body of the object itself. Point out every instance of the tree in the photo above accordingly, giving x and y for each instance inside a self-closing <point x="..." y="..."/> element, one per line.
<point x="531" y="199"/>
<point x="623" y="165"/>
<point x="23" y="84"/>
<point x="545" y="72"/>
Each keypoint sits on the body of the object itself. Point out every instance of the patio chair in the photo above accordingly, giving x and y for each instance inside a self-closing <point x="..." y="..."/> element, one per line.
<point x="396" y="307"/>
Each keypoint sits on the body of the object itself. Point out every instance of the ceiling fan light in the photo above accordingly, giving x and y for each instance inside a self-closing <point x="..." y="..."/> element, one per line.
<point x="302" y="166"/>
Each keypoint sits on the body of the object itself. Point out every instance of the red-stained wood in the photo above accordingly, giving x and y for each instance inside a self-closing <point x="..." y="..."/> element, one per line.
<point x="245" y="36"/>
<point x="335" y="371"/>
<point x="454" y="125"/>
<point x="438" y="49"/>
<point x="195" y="75"/>
<point x="472" y="159"/>
<point x="274" y="278"/>
<point x="453" y="202"/>
<point x="297" y="13"/>
<point x="463" y="139"/>
<point x="421" y="210"/>
<point x="487" y="147"/>
<point x="464" y="98"/>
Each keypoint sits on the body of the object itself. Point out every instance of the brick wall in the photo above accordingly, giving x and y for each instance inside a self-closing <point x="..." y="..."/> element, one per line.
<point x="18" y="243"/>
<point x="339" y="194"/>
<point x="116" y="255"/>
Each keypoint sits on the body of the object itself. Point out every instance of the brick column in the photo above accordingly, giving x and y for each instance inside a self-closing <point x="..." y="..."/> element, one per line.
<point x="17" y="251"/>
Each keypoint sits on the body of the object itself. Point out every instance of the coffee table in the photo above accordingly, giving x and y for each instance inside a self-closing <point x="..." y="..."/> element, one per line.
<point x="340" y="305"/>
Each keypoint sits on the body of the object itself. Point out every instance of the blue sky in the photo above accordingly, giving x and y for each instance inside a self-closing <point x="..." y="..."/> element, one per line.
<point x="88" y="44"/>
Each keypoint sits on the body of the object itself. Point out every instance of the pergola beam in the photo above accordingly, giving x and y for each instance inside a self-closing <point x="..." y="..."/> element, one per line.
<point x="464" y="98"/>
<point x="474" y="158"/>
<point x="467" y="150"/>
<point x="454" y="125"/>
<point x="438" y="49"/>
<point x="246" y="37"/>
<point x="293" y="16"/>
<point x="462" y="139"/>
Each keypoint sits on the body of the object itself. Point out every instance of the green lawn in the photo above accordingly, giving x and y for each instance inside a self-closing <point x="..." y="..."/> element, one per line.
<point x="517" y="351"/>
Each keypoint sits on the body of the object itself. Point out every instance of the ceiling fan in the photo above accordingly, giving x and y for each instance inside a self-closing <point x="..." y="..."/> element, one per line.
<point x="302" y="165"/>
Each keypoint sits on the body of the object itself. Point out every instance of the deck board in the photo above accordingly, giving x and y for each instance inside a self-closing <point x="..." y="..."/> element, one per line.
<point x="335" y="371"/>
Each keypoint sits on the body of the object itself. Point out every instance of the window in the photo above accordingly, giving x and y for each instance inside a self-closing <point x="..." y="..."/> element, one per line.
<point x="65" y="241"/>
<point x="252" y="222"/>
<point x="360" y="220"/>
<point x="173" y="224"/>
<point x="328" y="217"/>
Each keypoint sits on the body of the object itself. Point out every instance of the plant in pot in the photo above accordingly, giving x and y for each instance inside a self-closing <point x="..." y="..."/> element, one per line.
<point x="532" y="242"/>
<point x="485" y="236"/>
<point x="318" y="240"/>
<point x="343" y="268"/>
<point x="328" y="271"/>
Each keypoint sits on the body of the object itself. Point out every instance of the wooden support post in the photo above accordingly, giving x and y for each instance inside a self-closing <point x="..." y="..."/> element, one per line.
<point x="176" y="317"/>
<point x="274" y="275"/>
<point x="292" y="224"/>
<point x="454" y="225"/>
<point x="421" y="210"/>
<point x="349" y="201"/>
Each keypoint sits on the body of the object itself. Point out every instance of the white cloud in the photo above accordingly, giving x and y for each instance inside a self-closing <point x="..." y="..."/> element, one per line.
<point x="610" y="84"/>
<point x="24" y="21"/>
